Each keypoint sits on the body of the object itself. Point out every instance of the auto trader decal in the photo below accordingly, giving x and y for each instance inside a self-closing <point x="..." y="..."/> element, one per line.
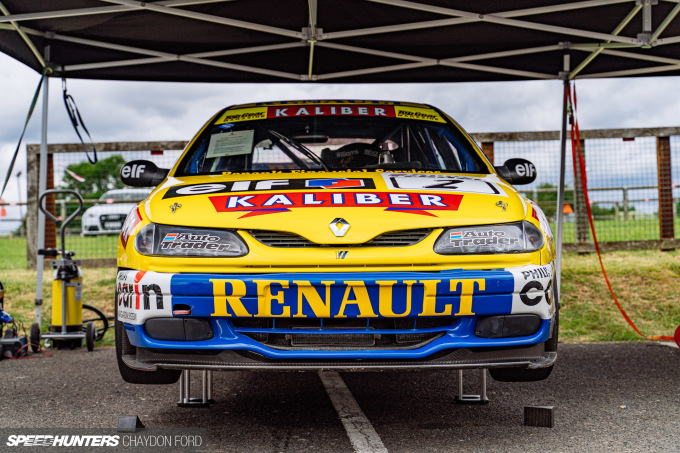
<point x="451" y="183"/>
<point x="296" y="111"/>
<point x="257" y="204"/>
<point x="269" y="184"/>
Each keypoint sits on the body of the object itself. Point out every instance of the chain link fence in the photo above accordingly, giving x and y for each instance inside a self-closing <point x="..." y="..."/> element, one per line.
<point x="633" y="180"/>
<point x="633" y="183"/>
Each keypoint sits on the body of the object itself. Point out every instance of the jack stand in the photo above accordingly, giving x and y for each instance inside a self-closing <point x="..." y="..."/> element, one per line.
<point x="472" y="399"/>
<point x="185" y="399"/>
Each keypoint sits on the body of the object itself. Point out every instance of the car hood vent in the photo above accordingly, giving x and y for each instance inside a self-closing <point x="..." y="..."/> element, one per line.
<point x="402" y="238"/>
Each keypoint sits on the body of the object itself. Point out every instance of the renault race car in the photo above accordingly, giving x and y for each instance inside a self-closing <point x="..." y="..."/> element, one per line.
<point x="336" y="235"/>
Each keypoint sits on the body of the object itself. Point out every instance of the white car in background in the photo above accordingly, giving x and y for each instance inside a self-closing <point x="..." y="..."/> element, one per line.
<point x="107" y="217"/>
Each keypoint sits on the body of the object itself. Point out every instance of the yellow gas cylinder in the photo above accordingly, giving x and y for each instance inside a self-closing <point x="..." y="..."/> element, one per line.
<point x="74" y="301"/>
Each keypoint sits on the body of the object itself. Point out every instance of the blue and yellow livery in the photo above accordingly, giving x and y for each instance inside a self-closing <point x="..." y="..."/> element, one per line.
<point x="349" y="235"/>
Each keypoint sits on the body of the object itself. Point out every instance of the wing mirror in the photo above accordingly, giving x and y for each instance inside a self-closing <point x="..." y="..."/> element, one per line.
<point x="142" y="173"/>
<point x="517" y="171"/>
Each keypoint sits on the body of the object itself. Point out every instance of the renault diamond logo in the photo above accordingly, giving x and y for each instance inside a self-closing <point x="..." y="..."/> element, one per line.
<point x="339" y="227"/>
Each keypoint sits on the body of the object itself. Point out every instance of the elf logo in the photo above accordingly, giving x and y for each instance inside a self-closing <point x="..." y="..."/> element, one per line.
<point x="341" y="254"/>
<point x="525" y="169"/>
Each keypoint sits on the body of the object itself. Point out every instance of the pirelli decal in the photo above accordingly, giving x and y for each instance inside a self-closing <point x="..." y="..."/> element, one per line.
<point x="256" y="204"/>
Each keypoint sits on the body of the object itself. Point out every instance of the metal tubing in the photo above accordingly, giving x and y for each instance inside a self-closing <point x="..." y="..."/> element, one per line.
<point x="209" y="386"/>
<point x="42" y="186"/>
<point x="460" y="384"/>
<point x="560" y="197"/>
<point x="187" y="386"/>
<point x="181" y="387"/>
<point x="482" y="384"/>
<point x="204" y="387"/>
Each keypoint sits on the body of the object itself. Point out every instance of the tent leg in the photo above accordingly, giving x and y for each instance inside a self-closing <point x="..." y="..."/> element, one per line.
<point x="560" y="197"/>
<point x="42" y="186"/>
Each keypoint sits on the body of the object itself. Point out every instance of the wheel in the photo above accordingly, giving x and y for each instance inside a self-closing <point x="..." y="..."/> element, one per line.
<point x="132" y="375"/>
<point x="101" y="322"/>
<point x="35" y="337"/>
<point x="90" y="335"/>
<point x="523" y="374"/>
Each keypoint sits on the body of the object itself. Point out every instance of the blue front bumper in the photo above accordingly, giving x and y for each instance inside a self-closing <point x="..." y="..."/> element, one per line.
<point x="461" y="296"/>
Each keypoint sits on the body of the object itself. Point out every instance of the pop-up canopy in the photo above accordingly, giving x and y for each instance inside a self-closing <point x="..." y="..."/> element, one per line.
<point x="342" y="40"/>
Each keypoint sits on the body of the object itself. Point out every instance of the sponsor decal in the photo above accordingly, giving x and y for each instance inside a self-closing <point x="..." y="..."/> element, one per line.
<point x="307" y="110"/>
<point x="341" y="255"/>
<point x="238" y="115"/>
<point x="532" y="293"/>
<point x="450" y="183"/>
<point x="334" y="183"/>
<point x="488" y="237"/>
<point x="173" y="241"/>
<point x="539" y="272"/>
<point x="356" y="299"/>
<point x="269" y="184"/>
<point x="258" y="204"/>
<point x="133" y="296"/>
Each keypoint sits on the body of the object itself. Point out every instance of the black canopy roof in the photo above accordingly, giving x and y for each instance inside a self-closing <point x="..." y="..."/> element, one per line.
<point x="342" y="41"/>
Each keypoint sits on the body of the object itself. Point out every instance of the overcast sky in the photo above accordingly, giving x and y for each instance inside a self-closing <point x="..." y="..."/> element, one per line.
<point x="129" y="111"/>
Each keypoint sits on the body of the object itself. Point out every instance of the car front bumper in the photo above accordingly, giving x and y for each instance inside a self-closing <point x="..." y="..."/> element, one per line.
<point x="439" y="311"/>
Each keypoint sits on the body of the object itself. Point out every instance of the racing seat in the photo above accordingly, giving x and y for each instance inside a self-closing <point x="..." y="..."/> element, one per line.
<point x="352" y="155"/>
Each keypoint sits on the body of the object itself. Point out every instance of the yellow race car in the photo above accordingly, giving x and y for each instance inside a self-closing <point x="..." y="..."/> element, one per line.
<point x="345" y="235"/>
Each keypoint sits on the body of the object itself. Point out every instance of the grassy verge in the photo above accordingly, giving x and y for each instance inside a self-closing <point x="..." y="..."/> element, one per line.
<point x="646" y="283"/>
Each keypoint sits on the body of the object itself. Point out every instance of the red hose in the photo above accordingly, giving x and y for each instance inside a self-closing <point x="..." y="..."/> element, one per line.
<point x="577" y="155"/>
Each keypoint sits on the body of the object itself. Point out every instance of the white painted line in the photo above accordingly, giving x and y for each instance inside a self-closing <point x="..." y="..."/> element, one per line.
<point x="361" y="434"/>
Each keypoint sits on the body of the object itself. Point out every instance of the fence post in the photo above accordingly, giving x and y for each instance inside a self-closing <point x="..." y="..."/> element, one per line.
<point x="32" y="175"/>
<point x="487" y="149"/>
<point x="663" y="164"/>
<point x="32" y="163"/>
<point x="580" y="211"/>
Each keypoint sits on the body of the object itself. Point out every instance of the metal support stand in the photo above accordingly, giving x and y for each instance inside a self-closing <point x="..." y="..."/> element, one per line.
<point x="185" y="399"/>
<point x="472" y="399"/>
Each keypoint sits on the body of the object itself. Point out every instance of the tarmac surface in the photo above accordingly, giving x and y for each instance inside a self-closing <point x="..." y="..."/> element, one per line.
<point x="619" y="397"/>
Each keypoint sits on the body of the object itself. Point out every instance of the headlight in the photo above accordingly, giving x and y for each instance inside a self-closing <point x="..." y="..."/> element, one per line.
<point x="178" y="241"/>
<point x="507" y="238"/>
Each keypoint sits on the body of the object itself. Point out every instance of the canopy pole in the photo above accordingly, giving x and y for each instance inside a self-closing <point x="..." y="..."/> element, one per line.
<point x="42" y="186"/>
<point x="564" y="75"/>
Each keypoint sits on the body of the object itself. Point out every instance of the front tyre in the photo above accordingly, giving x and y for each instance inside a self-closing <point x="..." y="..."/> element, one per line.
<point x="526" y="375"/>
<point x="132" y="375"/>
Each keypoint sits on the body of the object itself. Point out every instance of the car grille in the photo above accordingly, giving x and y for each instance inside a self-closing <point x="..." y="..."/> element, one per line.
<point x="112" y="221"/>
<point x="343" y="334"/>
<point x="401" y="238"/>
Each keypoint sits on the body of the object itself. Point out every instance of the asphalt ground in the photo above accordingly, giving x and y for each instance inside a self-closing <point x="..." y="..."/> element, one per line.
<point x="607" y="397"/>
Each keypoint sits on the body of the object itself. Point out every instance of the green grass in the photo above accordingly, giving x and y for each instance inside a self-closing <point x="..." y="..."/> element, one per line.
<point x="618" y="230"/>
<point x="12" y="253"/>
<point x="646" y="283"/>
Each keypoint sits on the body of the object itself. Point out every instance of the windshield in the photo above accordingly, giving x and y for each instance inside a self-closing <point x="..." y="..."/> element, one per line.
<point x="330" y="143"/>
